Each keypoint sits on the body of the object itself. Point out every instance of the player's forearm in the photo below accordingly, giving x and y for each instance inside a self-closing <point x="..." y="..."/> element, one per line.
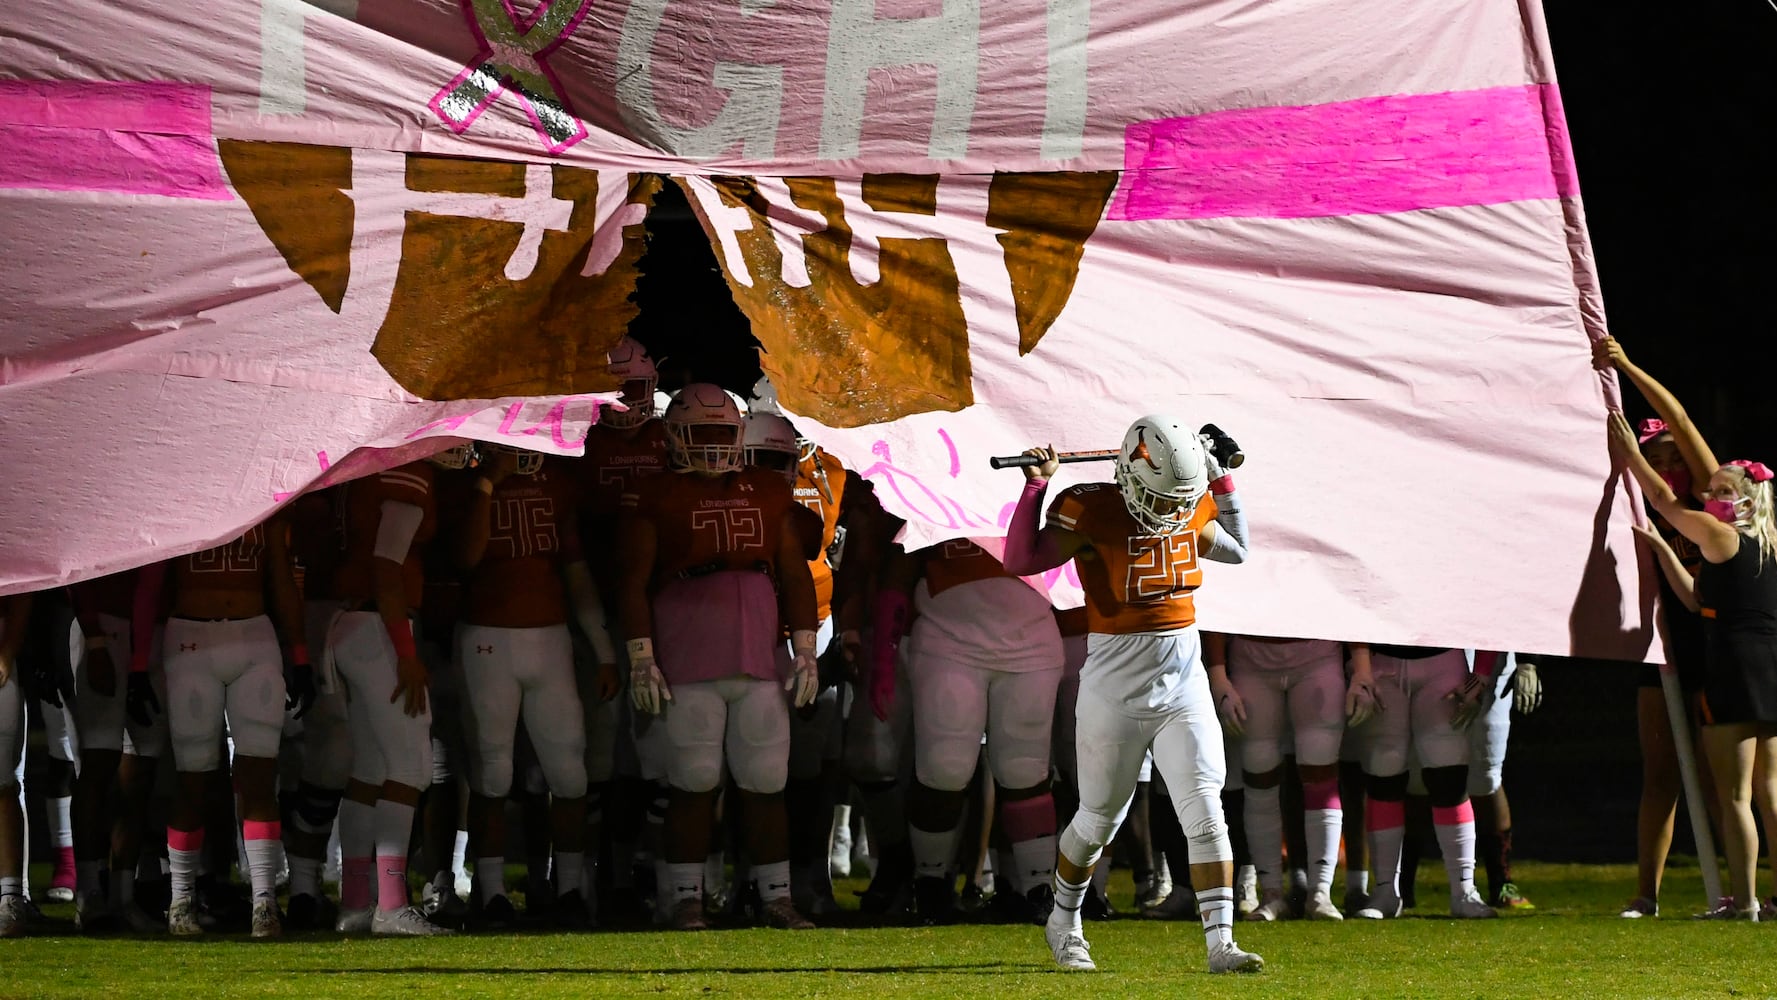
<point x="17" y="611"/>
<point x="1229" y="545"/>
<point x="1696" y="452"/>
<point x="472" y="546"/>
<point x="800" y="608"/>
<point x="589" y="611"/>
<point x="391" y="606"/>
<point x="1029" y="549"/>
<point x="145" y="612"/>
<point x="1677" y="576"/>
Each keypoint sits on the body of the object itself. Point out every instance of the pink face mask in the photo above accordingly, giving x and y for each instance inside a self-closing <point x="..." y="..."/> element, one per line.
<point x="1721" y="510"/>
<point x="1679" y="480"/>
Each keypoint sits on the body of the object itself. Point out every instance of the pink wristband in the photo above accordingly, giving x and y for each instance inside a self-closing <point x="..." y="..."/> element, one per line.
<point x="1222" y="486"/>
<point x="299" y="654"/>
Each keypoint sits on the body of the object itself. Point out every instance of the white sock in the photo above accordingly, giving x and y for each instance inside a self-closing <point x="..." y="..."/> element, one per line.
<point x="1033" y="863"/>
<point x="1358" y="880"/>
<point x="12" y="885"/>
<point x="1068" y="898"/>
<point x="1216" y="907"/>
<point x="773" y="880"/>
<point x="305" y="876"/>
<point x="1457" y="841"/>
<point x="714" y="869"/>
<point x="459" y="854"/>
<point x="61" y="821"/>
<point x="1324" y="826"/>
<point x="1385" y="857"/>
<point x="934" y="852"/>
<point x="682" y="882"/>
<point x="185" y="865"/>
<point x="490" y="879"/>
<point x="394" y="828"/>
<point x="1264" y="835"/>
<point x="264" y="858"/>
<point x="570" y="872"/>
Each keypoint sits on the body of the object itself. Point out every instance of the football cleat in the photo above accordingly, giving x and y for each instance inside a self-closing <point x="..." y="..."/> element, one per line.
<point x="1246" y="890"/>
<point x="405" y="922"/>
<point x="1727" y="909"/>
<point x="445" y="905"/>
<point x="839" y="854"/>
<point x="355" y="921"/>
<point x="1355" y="900"/>
<point x="16" y="915"/>
<point x="137" y="920"/>
<point x="1229" y="958"/>
<point x="935" y="900"/>
<point x="1273" y="907"/>
<point x="1470" y="906"/>
<point x="1509" y="898"/>
<point x="91" y="915"/>
<point x="1155" y="889"/>
<point x="1181" y="905"/>
<point x="1320" y="907"/>
<point x="498" y="914"/>
<point x="1069" y="947"/>
<point x="305" y="913"/>
<point x="182" y="918"/>
<point x="267" y="921"/>
<point x="1384" y="904"/>
<point x="782" y="914"/>
<point x="570" y="911"/>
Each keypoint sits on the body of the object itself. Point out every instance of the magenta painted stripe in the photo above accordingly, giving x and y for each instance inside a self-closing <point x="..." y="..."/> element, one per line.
<point x="137" y="138"/>
<point x="1369" y="156"/>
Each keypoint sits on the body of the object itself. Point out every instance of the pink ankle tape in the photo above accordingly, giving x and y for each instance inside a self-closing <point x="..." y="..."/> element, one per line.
<point x="1028" y="819"/>
<point x="1321" y="794"/>
<point x="1386" y="815"/>
<point x="185" y="840"/>
<point x="1456" y="815"/>
<point x="253" y="829"/>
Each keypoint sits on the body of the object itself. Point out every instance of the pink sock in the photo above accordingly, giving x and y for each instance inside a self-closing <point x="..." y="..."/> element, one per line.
<point x="391" y="882"/>
<point x="66" y="872"/>
<point x="354" y="883"/>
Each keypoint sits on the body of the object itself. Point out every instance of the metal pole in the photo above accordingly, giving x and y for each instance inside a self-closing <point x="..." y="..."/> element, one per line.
<point x="1693" y="785"/>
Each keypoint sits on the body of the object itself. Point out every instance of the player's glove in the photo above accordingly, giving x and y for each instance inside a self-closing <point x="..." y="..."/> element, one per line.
<point x="1472" y="700"/>
<point x="1361" y="702"/>
<point x="140" y="701"/>
<point x="299" y="687"/>
<point x="1229" y="706"/>
<point x="1527" y="689"/>
<point x="805" y="672"/>
<point x="647" y="685"/>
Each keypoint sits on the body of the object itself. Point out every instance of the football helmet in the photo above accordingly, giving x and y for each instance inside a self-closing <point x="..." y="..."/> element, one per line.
<point x="770" y="441"/>
<point x="529" y="462"/>
<point x="703" y="427"/>
<point x="1162" y="473"/>
<point x="461" y="456"/>
<point x="630" y="362"/>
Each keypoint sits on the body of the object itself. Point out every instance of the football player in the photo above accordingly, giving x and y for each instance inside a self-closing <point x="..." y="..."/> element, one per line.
<point x="1426" y="697"/>
<point x="223" y="661"/>
<point x="708" y="552"/>
<point x="1138" y="544"/>
<point x="1519" y="687"/>
<point x="389" y="517"/>
<point x="113" y="748"/>
<point x="624" y="447"/>
<point x="1270" y="688"/>
<point x="986" y="658"/>
<point x="16" y="911"/>
<point x="521" y="544"/>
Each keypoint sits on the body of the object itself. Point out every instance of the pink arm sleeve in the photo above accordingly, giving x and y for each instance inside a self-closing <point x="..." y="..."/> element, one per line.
<point x="1028" y="550"/>
<point x="885" y="643"/>
<point x="149" y="580"/>
<point x="1487" y="662"/>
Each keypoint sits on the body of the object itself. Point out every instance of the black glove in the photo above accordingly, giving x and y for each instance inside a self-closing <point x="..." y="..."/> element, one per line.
<point x="140" y="700"/>
<point x="299" y="689"/>
<point x="46" y="682"/>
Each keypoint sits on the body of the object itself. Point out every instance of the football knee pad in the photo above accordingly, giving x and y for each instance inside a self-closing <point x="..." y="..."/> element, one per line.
<point x="1387" y="787"/>
<point x="1086" y="834"/>
<point x="1205" y="830"/>
<point x="316" y="808"/>
<point x="1446" y="786"/>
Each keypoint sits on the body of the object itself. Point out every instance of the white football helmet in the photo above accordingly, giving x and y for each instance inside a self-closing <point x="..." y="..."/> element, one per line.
<point x="770" y="441"/>
<point x="460" y="456"/>
<point x="529" y="462"/>
<point x="1162" y="472"/>
<point x="630" y="362"/>
<point x="702" y="405"/>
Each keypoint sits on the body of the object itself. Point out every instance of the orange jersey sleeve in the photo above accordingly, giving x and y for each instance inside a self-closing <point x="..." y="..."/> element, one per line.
<point x="956" y="562"/>
<point x="820" y="486"/>
<point x="1134" y="582"/>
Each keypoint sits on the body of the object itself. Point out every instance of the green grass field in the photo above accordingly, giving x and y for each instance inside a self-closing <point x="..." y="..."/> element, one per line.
<point x="1573" y="945"/>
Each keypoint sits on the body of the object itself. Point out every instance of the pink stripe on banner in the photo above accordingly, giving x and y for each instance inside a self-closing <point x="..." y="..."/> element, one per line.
<point x="1369" y="156"/>
<point x="138" y="138"/>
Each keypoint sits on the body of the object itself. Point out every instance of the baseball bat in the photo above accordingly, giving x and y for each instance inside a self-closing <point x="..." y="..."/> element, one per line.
<point x="1067" y="457"/>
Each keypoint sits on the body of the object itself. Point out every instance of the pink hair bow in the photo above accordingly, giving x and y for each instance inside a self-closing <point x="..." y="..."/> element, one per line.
<point x="1651" y="428"/>
<point x="1759" y="472"/>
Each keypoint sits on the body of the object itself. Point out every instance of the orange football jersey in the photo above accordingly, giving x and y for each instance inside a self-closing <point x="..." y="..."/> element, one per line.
<point x="712" y="523"/>
<point x="820" y="486"/>
<point x="956" y="562"/>
<point x="532" y="534"/>
<point x="1134" y="582"/>
<point x="409" y="484"/>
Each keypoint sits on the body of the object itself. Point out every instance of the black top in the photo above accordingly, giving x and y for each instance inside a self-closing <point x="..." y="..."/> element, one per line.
<point x="1739" y="597"/>
<point x="1684" y="627"/>
<point x="1410" y="652"/>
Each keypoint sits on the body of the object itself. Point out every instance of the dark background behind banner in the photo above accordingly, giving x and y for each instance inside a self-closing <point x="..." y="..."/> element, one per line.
<point x="1672" y="109"/>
